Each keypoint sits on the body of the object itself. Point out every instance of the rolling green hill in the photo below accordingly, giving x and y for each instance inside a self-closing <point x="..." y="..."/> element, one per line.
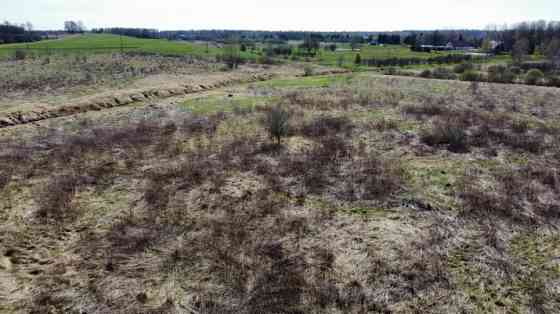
<point x="91" y="43"/>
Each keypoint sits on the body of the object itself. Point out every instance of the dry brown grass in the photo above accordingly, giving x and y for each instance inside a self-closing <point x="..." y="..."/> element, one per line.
<point x="174" y="213"/>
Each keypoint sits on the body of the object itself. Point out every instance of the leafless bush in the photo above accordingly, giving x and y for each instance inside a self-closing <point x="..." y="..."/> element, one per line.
<point x="392" y="98"/>
<point x="5" y="177"/>
<point x="428" y="106"/>
<point x="202" y="125"/>
<point x="155" y="194"/>
<point x="385" y="124"/>
<point x="510" y="189"/>
<point x="373" y="179"/>
<point x="429" y="109"/>
<point x="240" y="153"/>
<point x="446" y="132"/>
<point x="520" y="126"/>
<point x="533" y="143"/>
<point x="55" y="197"/>
<point x="127" y="237"/>
<point x="325" y="125"/>
<point x="276" y="122"/>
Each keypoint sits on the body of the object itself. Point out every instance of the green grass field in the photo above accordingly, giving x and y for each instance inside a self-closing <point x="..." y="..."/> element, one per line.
<point x="95" y="43"/>
<point x="328" y="57"/>
<point x="106" y="43"/>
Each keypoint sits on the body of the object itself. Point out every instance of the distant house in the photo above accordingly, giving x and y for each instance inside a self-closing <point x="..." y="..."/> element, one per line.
<point x="496" y="45"/>
<point x="429" y="48"/>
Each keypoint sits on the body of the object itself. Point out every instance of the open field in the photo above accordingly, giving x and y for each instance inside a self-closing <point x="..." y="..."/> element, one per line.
<point x="103" y="43"/>
<point x="384" y="195"/>
<point x="327" y="57"/>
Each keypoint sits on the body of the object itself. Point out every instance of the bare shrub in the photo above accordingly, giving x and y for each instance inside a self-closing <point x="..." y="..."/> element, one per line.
<point x="127" y="237"/>
<point x="392" y="98"/>
<point x="55" y="197"/>
<point x="276" y="122"/>
<point x="202" y="125"/>
<point x="239" y="153"/>
<point x="155" y="195"/>
<point x="20" y="54"/>
<point x="474" y="88"/>
<point x="373" y="179"/>
<point x="446" y="132"/>
<point x="317" y="165"/>
<point x="5" y="177"/>
<point x="520" y="126"/>
<point x="325" y="125"/>
<point x="547" y="173"/>
<point x="527" y="142"/>
<point x="386" y="124"/>
<point x="476" y="199"/>
<point x="429" y="106"/>
<point x="279" y="287"/>
<point x="510" y="189"/>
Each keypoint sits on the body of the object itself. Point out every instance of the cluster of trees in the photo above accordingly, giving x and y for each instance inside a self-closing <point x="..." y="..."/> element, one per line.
<point x="394" y="39"/>
<point x="74" y="27"/>
<point x="17" y="33"/>
<point x="441" y="38"/>
<point x="537" y="34"/>
<point x="528" y="38"/>
<point x="311" y="43"/>
<point x="282" y="50"/>
<point x="132" y="32"/>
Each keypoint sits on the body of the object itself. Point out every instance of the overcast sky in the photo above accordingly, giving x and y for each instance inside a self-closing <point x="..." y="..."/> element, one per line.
<point x="322" y="15"/>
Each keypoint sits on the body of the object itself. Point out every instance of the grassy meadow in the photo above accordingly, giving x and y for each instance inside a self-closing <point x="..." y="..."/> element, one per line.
<point x="103" y="43"/>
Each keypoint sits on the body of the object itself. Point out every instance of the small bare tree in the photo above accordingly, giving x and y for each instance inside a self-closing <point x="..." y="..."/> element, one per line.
<point x="520" y="50"/>
<point x="232" y="54"/>
<point x="276" y="123"/>
<point x="552" y="52"/>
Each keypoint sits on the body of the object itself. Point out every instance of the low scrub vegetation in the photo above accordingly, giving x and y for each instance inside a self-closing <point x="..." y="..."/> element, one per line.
<point x="447" y="132"/>
<point x="53" y="74"/>
<point x="368" y="194"/>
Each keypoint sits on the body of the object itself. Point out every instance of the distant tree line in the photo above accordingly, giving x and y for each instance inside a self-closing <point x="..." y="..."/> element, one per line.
<point x="266" y="36"/>
<point x="388" y="39"/>
<point x="464" y="38"/>
<point x="537" y="34"/>
<point x="14" y="33"/>
<point x="132" y="32"/>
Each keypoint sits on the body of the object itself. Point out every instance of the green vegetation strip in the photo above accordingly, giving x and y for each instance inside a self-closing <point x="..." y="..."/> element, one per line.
<point x="107" y="42"/>
<point x="224" y="103"/>
<point x="307" y="82"/>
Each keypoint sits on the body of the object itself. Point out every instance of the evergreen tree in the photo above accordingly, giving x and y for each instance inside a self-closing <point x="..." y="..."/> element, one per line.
<point x="358" y="59"/>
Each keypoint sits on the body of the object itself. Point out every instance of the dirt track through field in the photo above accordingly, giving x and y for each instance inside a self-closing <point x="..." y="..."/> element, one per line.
<point x="16" y="118"/>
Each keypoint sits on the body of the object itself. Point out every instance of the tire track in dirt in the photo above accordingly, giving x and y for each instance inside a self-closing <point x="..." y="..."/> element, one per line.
<point x="97" y="104"/>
